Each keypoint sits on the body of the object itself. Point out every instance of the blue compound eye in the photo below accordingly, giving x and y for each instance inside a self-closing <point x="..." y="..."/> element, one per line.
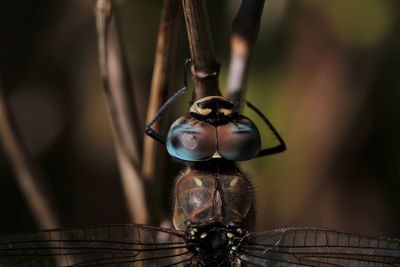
<point x="191" y="140"/>
<point x="239" y="139"/>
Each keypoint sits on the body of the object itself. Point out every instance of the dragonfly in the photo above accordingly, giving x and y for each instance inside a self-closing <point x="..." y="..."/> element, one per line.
<point x="213" y="213"/>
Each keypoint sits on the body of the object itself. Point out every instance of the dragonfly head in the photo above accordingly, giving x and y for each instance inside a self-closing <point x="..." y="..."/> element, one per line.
<point x="213" y="129"/>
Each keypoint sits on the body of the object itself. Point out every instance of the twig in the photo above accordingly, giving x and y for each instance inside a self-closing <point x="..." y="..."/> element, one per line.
<point x="134" y="189"/>
<point x="29" y="176"/>
<point x="205" y="67"/>
<point x="153" y="163"/>
<point x="118" y="96"/>
<point x="162" y="80"/>
<point x="116" y="84"/>
<point x="244" y="35"/>
<point x="120" y="74"/>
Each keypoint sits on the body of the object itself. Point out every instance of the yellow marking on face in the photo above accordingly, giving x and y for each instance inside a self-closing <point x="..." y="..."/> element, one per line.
<point x="234" y="182"/>
<point x="203" y="235"/>
<point x="230" y="235"/>
<point x="216" y="155"/>
<point x="198" y="181"/>
<point x="193" y="109"/>
<point x="225" y="111"/>
<point x="192" y="232"/>
<point x="239" y="230"/>
<point x="204" y="111"/>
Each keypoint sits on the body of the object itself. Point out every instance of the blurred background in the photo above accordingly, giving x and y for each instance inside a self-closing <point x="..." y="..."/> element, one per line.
<point x="326" y="73"/>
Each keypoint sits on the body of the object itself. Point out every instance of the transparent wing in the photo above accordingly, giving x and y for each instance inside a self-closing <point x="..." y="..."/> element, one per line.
<point x="115" y="245"/>
<point x="318" y="247"/>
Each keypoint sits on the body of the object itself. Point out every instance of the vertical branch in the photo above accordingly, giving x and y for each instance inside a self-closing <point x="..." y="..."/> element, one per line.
<point x="117" y="93"/>
<point x="245" y="31"/>
<point x="116" y="83"/>
<point x="162" y="80"/>
<point x="30" y="178"/>
<point x="163" y="72"/>
<point x="205" y="66"/>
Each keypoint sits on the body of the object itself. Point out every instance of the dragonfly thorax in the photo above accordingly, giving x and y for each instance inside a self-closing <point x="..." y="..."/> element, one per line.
<point x="213" y="192"/>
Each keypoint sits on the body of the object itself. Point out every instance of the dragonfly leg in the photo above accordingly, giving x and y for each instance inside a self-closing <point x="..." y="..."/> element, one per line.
<point x="271" y="150"/>
<point x="149" y="130"/>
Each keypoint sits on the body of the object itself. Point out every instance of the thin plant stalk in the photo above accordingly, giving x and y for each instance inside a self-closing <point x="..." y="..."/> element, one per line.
<point x="245" y="29"/>
<point x="31" y="180"/>
<point x="163" y="73"/>
<point x="118" y="96"/>
<point x="205" y="67"/>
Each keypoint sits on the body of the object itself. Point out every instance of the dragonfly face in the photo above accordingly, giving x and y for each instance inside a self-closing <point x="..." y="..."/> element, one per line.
<point x="215" y="110"/>
<point x="213" y="129"/>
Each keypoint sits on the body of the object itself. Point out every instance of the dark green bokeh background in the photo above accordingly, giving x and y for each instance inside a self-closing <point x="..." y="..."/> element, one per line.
<point x="326" y="72"/>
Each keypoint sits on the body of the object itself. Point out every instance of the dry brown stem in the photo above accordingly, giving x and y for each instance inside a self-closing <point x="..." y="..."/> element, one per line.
<point x="205" y="67"/>
<point x="162" y="80"/>
<point x="116" y="83"/>
<point x="33" y="184"/>
<point x="245" y="30"/>
<point x="117" y="92"/>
